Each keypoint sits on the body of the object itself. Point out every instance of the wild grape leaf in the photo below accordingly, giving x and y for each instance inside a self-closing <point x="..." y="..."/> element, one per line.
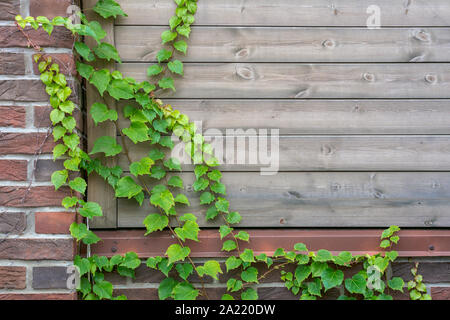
<point x="100" y="79"/>
<point x="106" y="51"/>
<point x="120" y="89"/>
<point x="167" y="83"/>
<point x="210" y="268"/>
<point x="177" y="253"/>
<point x="78" y="184"/>
<point x="176" y="66"/>
<point x="127" y="188"/>
<point x="250" y="275"/>
<point x="90" y="210"/>
<point x="109" y="8"/>
<point x="164" y="200"/>
<point x="181" y="46"/>
<point x="107" y="145"/>
<point x="101" y="113"/>
<point x="185" y="291"/>
<point x="332" y="278"/>
<point x="137" y="132"/>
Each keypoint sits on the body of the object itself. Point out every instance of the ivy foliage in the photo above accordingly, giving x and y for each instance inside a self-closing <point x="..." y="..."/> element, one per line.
<point x="151" y="122"/>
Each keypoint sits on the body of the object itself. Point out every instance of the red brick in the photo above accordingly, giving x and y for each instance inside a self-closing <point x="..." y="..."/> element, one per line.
<point x="440" y="293"/>
<point x="12" y="222"/>
<point x="42" y="117"/>
<point x="22" y="90"/>
<point x="65" y="61"/>
<point x="26" y="143"/>
<point x="9" y="9"/>
<point x="12" y="63"/>
<point x="37" y="249"/>
<point x="49" y="8"/>
<point x="54" y="222"/>
<point x="12" y="116"/>
<point x="12" y="37"/>
<point x="38" y="296"/>
<point x="33" y="197"/>
<point x="14" y="170"/>
<point x="13" y="277"/>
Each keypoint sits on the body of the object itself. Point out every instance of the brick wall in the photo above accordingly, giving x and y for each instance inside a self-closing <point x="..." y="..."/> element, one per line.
<point x="35" y="247"/>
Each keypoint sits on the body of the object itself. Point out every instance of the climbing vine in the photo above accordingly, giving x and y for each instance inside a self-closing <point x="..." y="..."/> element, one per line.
<point x="151" y="122"/>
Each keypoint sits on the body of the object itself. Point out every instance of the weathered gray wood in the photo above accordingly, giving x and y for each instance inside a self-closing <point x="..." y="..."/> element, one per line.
<point x="331" y="153"/>
<point x="286" y="80"/>
<point x="317" y="116"/>
<point x="277" y="44"/>
<point x="292" y="12"/>
<point x="365" y="199"/>
<point x="98" y="190"/>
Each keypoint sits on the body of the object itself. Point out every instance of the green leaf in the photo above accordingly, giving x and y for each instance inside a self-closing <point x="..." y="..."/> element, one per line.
<point x="163" y="55"/>
<point x="229" y="245"/>
<point x="250" y="275"/>
<point x="173" y="164"/>
<point x="69" y="123"/>
<point x="302" y="273"/>
<point x="396" y="283"/>
<point x="58" y="132"/>
<point x="222" y="205"/>
<point x="177" y="253"/>
<point x="300" y="247"/>
<point x="200" y="184"/>
<point x="234" y="285"/>
<point x="137" y="132"/>
<point x="156" y="154"/>
<point x="164" y="200"/>
<point x="175" y="181"/>
<point x="200" y="170"/>
<point x="232" y="263"/>
<point x="211" y="213"/>
<point x="64" y="93"/>
<point x="174" y="22"/>
<point x="224" y="230"/>
<point x="323" y="256"/>
<point x="206" y="198"/>
<point x="184" y="270"/>
<point x="343" y="258"/>
<point x="108" y="8"/>
<point x="167" y="142"/>
<point x="317" y="268"/>
<point x="127" y="188"/>
<point x="247" y="256"/>
<point x="249" y="294"/>
<point x="107" y="51"/>
<point x="210" y="268"/>
<point x="56" y="116"/>
<point x="357" y="284"/>
<point x="69" y="202"/>
<point x="185" y="291"/>
<point x="184" y="30"/>
<point x="166" y="83"/>
<point x="59" y="178"/>
<point x="215" y="175"/>
<point x="181" y="198"/>
<point x="72" y="141"/>
<point x="103" y="290"/>
<point x="84" y="51"/>
<point x="233" y="217"/>
<point x="218" y="187"/>
<point x="391" y="255"/>
<point x="314" y="287"/>
<point x="189" y="230"/>
<point x="181" y="46"/>
<point x="107" y="145"/>
<point x="389" y="232"/>
<point x="100" y="79"/>
<point x="168" y="36"/>
<point x="85" y="70"/>
<point x="120" y="89"/>
<point x="142" y="167"/>
<point x="78" y="184"/>
<point x="60" y="80"/>
<point x="80" y="232"/>
<point x="385" y="244"/>
<point x="414" y="294"/>
<point x="154" y="222"/>
<point x="154" y="70"/>
<point x="158" y="172"/>
<point x="59" y="150"/>
<point x="332" y="278"/>
<point x="90" y="210"/>
<point x="244" y="236"/>
<point x="72" y="164"/>
<point x="176" y="66"/>
<point x="191" y="6"/>
<point x="131" y="260"/>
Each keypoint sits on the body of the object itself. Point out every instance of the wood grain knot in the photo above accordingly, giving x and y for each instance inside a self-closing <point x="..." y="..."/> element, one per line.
<point x="327" y="150"/>
<point x="422" y="36"/>
<point x="245" y="73"/>
<point x="370" y="77"/>
<point x="242" y="53"/>
<point x="431" y="78"/>
<point x="329" y="44"/>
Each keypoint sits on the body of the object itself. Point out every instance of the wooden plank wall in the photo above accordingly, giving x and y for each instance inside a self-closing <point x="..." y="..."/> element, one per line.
<point x="364" y="114"/>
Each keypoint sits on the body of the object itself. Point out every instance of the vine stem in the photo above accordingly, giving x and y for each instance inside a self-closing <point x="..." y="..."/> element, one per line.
<point x="127" y="154"/>
<point x="268" y="272"/>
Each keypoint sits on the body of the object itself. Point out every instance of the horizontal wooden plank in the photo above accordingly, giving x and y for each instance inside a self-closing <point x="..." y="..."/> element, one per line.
<point x="316" y="116"/>
<point x="249" y="44"/>
<point x="413" y="243"/>
<point x="292" y="12"/>
<point x="321" y="153"/>
<point x="286" y="80"/>
<point x="350" y="199"/>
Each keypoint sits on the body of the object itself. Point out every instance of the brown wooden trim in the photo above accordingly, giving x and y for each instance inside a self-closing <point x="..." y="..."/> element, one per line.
<point x="413" y="243"/>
